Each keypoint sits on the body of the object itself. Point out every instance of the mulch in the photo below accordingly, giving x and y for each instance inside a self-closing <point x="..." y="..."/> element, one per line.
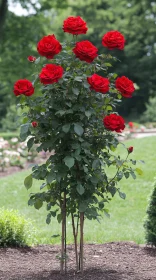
<point x="110" y="261"/>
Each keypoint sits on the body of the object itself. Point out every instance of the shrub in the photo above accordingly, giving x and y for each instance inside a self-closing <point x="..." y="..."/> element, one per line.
<point x="150" y="113"/>
<point x="15" y="230"/>
<point x="150" y="223"/>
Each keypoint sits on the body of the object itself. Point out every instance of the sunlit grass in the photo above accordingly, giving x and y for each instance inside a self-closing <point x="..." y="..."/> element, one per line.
<point x="127" y="216"/>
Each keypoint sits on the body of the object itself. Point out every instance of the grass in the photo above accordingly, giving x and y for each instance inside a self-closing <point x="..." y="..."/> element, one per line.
<point x="127" y="216"/>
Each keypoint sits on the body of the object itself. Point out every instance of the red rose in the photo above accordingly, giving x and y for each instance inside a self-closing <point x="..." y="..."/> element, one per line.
<point x="130" y="150"/>
<point x="114" y="122"/>
<point x="34" y="124"/>
<point x="23" y="87"/>
<point x="98" y="83"/>
<point x="131" y="124"/>
<point x="75" y="25"/>
<point x="125" y="86"/>
<point x="85" y="51"/>
<point x="31" y="58"/>
<point x="113" y="40"/>
<point x="49" y="46"/>
<point x="50" y="74"/>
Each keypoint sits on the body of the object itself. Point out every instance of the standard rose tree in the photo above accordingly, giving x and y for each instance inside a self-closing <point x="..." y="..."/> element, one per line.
<point x="72" y="115"/>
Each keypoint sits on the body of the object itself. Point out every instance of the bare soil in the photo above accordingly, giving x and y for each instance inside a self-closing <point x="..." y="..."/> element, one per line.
<point x="110" y="261"/>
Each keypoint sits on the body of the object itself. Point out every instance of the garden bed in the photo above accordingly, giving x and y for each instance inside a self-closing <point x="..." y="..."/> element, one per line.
<point x="110" y="261"/>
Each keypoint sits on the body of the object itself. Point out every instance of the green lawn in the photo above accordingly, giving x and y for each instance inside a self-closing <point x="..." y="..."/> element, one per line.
<point x="127" y="216"/>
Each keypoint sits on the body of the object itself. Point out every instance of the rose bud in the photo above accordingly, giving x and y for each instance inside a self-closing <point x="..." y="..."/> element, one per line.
<point x="130" y="149"/>
<point x="34" y="124"/>
<point x="31" y="58"/>
<point x="131" y="124"/>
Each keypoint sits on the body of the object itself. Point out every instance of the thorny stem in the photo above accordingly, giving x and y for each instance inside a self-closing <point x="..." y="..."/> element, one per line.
<point x="116" y="173"/>
<point x="63" y="239"/>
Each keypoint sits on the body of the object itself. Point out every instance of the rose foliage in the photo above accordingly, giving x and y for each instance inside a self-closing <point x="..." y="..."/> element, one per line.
<point x="74" y="109"/>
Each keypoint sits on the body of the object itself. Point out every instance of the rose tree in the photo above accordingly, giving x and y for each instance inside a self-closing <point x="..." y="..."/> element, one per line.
<point x="72" y="114"/>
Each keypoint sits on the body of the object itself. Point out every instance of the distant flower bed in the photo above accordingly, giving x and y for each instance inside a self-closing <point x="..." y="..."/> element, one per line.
<point x="15" y="153"/>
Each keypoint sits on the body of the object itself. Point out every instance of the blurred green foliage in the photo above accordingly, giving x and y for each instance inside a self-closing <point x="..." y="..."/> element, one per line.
<point x="135" y="19"/>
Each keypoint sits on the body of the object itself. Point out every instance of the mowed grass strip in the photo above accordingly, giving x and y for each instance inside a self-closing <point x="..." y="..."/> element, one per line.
<point x="127" y="216"/>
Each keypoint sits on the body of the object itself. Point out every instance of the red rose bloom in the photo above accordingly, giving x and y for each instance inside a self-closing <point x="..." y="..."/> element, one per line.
<point x="130" y="150"/>
<point x="50" y="74"/>
<point x="85" y="51"/>
<point x="31" y="58"/>
<point x="34" y="124"/>
<point x="23" y="87"/>
<point x="113" y="40"/>
<point x="114" y="122"/>
<point x="98" y="83"/>
<point x="125" y="86"/>
<point x="49" y="46"/>
<point x="75" y="25"/>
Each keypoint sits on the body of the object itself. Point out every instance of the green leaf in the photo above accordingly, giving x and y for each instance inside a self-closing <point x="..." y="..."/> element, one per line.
<point x="115" y="75"/>
<point x="48" y="219"/>
<point x="119" y="96"/>
<point x="95" y="164"/>
<point x="69" y="161"/>
<point x="66" y="128"/>
<point x="88" y="113"/>
<point x="38" y="204"/>
<point x="75" y="91"/>
<point x="78" y="129"/>
<point x="108" y="64"/>
<point x="106" y="211"/>
<point x="60" y="112"/>
<point x="109" y="108"/>
<point x="78" y="79"/>
<point x="59" y="218"/>
<point x="139" y="171"/>
<point x="126" y="175"/>
<point x="80" y="189"/>
<point x="50" y="177"/>
<point x="28" y="182"/>
<point x="122" y="195"/>
<point x="37" y="60"/>
<point x="31" y="202"/>
<point x="55" y="235"/>
<point x="24" y="131"/>
<point x="82" y="206"/>
<point x="30" y="143"/>
<point x="133" y="174"/>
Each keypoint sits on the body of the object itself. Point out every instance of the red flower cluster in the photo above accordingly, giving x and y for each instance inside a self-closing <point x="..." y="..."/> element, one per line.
<point x="75" y="25"/>
<point x="31" y="58"/>
<point x="125" y="86"/>
<point x="98" y="83"/>
<point x="24" y="87"/>
<point x="85" y="51"/>
<point x="49" y="46"/>
<point x="50" y="74"/>
<point x="113" y="40"/>
<point x="114" y="122"/>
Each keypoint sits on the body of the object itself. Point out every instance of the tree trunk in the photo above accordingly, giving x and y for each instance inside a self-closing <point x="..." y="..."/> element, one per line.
<point x="63" y="239"/>
<point x="81" y="242"/>
<point x="75" y="233"/>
